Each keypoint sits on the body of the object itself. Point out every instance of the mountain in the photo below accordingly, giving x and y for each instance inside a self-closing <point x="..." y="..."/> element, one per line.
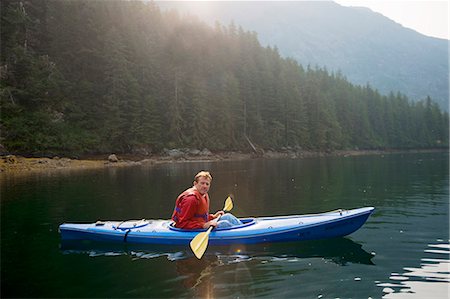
<point x="366" y="47"/>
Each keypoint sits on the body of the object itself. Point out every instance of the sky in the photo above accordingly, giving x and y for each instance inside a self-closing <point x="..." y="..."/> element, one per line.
<point x="430" y="18"/>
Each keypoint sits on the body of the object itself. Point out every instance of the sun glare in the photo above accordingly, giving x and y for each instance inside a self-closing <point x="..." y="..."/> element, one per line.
<point x="203" y="9"/>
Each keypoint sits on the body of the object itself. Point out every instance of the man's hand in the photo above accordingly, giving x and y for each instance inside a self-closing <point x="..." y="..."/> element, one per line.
<point x="210" y="223"/>
<point x="218" y="213"/>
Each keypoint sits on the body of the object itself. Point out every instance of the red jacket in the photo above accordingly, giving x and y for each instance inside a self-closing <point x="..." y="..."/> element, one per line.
<point x="191" y="210"/>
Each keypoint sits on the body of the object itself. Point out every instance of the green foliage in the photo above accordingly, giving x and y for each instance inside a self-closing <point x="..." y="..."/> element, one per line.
<point x="101" y="76"/>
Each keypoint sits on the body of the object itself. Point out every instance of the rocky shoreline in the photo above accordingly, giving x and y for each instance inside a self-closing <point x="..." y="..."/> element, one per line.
<point x="11" y="164"/>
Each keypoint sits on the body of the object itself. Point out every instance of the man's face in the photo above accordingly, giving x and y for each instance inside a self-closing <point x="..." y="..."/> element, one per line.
<point x="202" y="185"/>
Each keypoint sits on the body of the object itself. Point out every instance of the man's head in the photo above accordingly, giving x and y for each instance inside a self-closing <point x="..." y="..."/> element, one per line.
<point x="202" y="182"/>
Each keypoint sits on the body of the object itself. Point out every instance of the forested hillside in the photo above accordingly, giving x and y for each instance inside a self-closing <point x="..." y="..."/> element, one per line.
<point x="365" y="46"/>
<point x="83" y="77"/>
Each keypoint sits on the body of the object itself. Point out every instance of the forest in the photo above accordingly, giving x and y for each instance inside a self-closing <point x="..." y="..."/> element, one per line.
<point x="90" y="77"/>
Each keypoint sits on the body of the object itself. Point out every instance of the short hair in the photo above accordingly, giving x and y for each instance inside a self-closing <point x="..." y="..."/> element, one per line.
<point x="204" y="174"/>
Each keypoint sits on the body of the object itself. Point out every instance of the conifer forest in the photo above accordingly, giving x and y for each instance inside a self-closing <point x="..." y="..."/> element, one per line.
<point x="86" y="77"/>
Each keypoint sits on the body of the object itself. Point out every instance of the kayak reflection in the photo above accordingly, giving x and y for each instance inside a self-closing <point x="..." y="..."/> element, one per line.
<point x="229" y="269"/>
<point x="338" y="250"/>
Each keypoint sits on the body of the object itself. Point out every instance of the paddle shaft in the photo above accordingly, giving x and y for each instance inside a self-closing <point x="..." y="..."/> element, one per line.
<point x="212" y="226"/>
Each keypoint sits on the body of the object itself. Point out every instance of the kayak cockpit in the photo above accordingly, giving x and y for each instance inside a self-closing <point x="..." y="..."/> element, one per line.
<point x="245" y="222"/>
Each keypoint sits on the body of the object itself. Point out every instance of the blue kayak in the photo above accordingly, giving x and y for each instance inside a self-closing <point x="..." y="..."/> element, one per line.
<point x="336" y="223"/>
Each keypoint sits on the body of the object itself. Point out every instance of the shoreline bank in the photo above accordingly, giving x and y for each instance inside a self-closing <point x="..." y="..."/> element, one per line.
<point x="12" y="164"/>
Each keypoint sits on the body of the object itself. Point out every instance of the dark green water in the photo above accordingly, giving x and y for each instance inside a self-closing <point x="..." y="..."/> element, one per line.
<point x="401" y="252"/>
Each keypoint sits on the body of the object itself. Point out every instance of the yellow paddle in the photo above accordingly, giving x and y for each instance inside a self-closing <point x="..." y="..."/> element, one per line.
<point x="200" y="242"/>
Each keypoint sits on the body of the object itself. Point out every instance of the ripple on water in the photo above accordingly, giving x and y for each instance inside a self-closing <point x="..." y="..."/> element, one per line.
<point x="432" y="277"/>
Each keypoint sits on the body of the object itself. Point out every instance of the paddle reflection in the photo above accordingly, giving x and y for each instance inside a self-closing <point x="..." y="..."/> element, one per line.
<point x="197" y="274"/>
<point x="206" y="276"/>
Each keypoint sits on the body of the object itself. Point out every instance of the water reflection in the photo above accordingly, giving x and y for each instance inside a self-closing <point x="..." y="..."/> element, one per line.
<point x="339" y="250"/>
<point x="229" y="269"/>
<point x="432" y="277"/>
<point x="197" y="276"/>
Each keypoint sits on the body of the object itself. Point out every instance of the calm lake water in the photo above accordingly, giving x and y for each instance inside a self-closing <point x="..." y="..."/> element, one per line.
<point x="401" y="252"/>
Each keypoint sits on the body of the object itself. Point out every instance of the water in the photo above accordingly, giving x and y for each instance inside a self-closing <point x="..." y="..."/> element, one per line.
<point x="401" y="252"/>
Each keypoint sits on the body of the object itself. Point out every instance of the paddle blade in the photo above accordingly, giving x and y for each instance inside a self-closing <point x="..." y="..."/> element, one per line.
<point x="199" y="244"/>
<point x="228" y="204"/>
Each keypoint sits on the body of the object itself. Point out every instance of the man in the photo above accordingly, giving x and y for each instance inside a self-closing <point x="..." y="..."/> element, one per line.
<point x="192" y="207"/>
